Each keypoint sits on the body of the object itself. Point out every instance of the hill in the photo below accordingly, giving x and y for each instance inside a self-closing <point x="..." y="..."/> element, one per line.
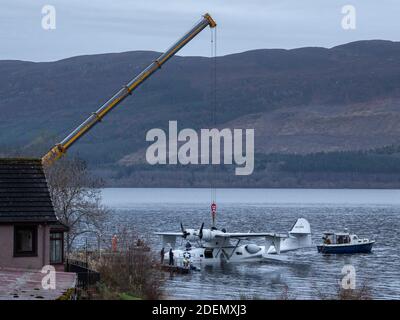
<point x="302" y="101"/>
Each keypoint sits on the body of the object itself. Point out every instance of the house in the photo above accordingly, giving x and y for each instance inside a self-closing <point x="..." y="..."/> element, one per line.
<point x="31" y="236"/>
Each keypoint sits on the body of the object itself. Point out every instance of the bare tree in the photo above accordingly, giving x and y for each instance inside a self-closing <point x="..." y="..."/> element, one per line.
<point x="76" y="198"/>
<point x="131" y="271"/>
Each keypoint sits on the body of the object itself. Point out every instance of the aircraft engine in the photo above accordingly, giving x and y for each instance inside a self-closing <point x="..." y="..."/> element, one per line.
<point x="207" y="235"/>
<point x="192" y="235"/>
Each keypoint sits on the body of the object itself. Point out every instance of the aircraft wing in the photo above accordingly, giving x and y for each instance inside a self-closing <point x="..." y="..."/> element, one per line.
<point x="249" y="235"/>
<point x="169" y="238"/>
<point x="271" y="239"/>
<point x="172" y="234"/>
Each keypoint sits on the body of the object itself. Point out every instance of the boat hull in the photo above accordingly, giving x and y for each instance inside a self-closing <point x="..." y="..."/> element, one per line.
<point x="346" y="249"/>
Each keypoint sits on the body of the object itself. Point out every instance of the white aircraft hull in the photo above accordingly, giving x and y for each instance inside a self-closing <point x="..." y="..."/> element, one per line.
<point x="233" y="254"/>
<point x="218" y="246"/>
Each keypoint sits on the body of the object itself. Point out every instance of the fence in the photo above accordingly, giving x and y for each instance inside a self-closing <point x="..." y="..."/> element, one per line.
<point x="86" y="276"/>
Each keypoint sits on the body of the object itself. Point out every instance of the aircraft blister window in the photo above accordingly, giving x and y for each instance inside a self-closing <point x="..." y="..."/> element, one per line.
<point x="252" y="248"/>
<point x="239" y="253"/>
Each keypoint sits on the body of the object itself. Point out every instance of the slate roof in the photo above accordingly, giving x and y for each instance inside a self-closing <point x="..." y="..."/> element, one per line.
<point x="24" y="194"/>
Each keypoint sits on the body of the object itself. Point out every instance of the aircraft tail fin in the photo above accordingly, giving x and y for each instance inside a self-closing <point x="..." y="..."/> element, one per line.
<point x="301" y="227"/>
<point x="299" y="237"/>
<point x="301" y="231"/>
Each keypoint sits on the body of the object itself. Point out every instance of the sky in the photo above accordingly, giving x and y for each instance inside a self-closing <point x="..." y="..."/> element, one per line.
<point x="103" y="26"/>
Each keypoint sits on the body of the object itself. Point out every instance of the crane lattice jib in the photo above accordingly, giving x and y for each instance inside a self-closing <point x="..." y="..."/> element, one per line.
<point x="59" y="149"/>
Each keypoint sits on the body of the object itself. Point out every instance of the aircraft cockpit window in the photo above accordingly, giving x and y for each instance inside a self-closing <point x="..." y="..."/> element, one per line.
<point x="208" y="253"/>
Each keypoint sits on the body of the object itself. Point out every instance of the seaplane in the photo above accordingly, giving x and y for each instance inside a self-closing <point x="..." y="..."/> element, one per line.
<point x="211" y="246"/>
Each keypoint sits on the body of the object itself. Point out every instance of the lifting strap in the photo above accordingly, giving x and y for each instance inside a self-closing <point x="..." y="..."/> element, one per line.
<point x="213" y="96"/>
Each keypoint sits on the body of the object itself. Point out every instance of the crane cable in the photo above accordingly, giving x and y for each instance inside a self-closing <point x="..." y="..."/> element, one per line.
<point x="213" y="118"/>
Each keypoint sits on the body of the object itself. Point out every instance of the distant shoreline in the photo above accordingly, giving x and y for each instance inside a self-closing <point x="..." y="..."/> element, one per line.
<point x="128" y="197"/>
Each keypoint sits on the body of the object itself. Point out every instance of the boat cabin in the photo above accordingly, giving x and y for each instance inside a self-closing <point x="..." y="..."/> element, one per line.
<point x="338" y="238"/>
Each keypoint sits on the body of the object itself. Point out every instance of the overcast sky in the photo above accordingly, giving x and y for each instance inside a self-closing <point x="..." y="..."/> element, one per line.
<point x="101" y="26"/>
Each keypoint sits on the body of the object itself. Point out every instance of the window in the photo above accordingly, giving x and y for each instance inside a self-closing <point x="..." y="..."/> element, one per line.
<point x="56" y="247"/>
<point x="25" y="241"/>
<point x="208" y="253"/>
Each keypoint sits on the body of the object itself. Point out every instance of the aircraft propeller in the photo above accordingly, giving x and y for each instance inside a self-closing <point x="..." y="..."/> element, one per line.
<point x="201" y="231"/>
<point x="184" y="232"/>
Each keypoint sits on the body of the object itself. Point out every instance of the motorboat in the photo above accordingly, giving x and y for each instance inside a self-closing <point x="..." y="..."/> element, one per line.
<point x="344" y="242"/>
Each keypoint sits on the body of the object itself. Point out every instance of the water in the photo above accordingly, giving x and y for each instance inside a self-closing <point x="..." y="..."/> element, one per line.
<point x="306" y="274"/>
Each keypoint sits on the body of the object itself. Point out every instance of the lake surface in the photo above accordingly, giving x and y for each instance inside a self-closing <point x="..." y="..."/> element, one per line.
<point x="305" y="274"/>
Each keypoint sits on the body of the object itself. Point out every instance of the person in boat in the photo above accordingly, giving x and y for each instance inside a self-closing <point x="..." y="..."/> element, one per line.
<point x="162" y="253"/>
<point x="185" y="262"/>
<point x="171" y="257"/>
<point x="327" y="240"/>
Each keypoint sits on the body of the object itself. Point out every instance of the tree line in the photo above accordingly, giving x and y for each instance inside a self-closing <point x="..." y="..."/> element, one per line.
<point x="379" y="160"/>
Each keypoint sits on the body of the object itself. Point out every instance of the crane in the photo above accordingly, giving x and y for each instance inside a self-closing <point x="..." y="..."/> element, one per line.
<point x="61" y="148"/>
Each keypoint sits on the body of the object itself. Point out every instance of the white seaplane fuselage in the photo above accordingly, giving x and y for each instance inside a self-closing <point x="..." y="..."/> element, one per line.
<point x="217" y="246"/>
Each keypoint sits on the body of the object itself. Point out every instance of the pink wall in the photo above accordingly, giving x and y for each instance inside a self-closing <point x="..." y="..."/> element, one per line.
<point x="7" y="258"/>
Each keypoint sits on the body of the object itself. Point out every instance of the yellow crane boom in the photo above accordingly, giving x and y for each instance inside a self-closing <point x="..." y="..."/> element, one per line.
<point x="61" y="148"/>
